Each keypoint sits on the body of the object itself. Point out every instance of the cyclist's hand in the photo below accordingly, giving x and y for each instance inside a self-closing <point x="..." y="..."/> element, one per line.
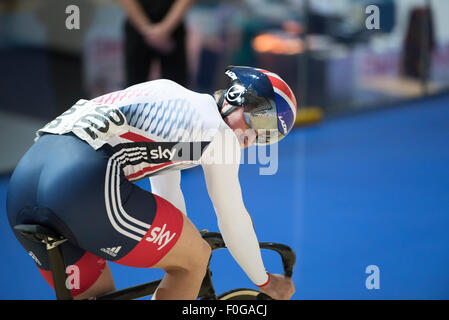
<point x="157" y="37"/>
<point x="279" y="287"/>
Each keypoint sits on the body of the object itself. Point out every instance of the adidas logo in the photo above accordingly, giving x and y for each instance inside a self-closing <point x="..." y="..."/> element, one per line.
<point x="111" y="251"/>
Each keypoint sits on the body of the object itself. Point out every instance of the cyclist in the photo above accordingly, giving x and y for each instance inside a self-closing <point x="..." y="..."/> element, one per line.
<point x="78" y="178"/>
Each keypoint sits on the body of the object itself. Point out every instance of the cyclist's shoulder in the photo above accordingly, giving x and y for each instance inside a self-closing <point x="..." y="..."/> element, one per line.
<point x="166" y="90"/>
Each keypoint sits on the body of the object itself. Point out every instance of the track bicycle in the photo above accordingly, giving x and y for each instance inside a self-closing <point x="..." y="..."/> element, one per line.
<point x="53" y="240"/>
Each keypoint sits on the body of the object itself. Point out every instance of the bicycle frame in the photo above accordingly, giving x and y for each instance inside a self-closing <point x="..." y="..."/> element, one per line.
<point x="207" y="291"/>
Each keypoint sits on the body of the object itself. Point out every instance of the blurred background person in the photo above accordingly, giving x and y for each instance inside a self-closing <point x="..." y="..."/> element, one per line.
<point x="419" y="43"/>
<point x="154" y="29"/>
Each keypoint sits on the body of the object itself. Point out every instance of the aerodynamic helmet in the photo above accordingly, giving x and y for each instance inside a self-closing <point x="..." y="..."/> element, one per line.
<point x="268" y="102"/>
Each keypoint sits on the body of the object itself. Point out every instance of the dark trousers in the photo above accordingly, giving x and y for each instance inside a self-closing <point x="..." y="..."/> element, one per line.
<point x="139" y="55"/>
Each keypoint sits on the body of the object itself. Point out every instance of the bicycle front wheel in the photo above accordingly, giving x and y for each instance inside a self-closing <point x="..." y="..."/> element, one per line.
<point x="239" y="294"/>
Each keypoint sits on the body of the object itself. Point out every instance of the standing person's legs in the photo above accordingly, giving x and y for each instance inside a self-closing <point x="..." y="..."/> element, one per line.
<point x="174" y="64"/>
<point x="137" y="56"/>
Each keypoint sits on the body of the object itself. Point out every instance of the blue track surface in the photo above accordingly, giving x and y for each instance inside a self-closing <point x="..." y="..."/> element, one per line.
<point x="371" y="189"/>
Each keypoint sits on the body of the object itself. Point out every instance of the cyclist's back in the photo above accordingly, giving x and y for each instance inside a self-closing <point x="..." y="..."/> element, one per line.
<point x="153" y="126"/>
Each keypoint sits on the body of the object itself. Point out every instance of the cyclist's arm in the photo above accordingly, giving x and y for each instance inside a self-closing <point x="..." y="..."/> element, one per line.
<point x="176" y="14"/>
<point x="168" y="186"/>
<point x="234" y="220"/>
<point x="136" y="14"/>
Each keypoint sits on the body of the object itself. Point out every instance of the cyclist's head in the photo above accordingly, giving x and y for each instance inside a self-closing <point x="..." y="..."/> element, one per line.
<point x="269" y="105"/>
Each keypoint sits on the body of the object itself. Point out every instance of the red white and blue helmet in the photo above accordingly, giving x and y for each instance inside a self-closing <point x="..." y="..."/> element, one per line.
<point x="269" y="103"/>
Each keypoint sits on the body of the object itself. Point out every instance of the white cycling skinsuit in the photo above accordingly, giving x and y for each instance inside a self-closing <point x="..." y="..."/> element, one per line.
<point x="183" y="129"/>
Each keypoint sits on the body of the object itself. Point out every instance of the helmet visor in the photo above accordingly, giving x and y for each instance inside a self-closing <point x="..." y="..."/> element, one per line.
<point x="266" y="127"/>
